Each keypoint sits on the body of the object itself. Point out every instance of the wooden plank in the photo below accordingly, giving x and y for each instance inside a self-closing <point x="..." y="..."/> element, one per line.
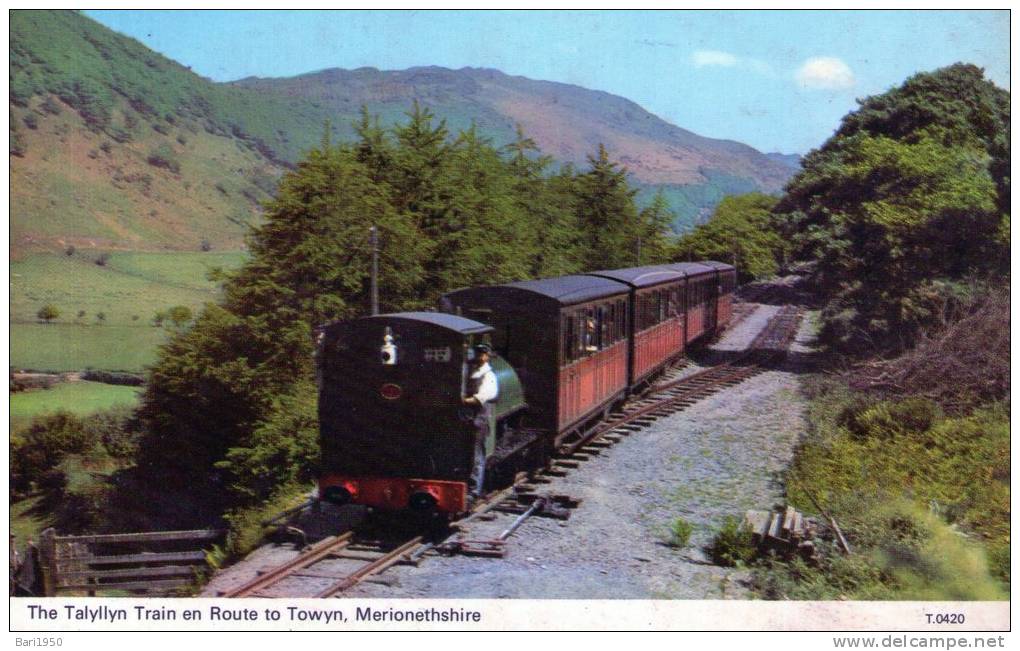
<point x="798" y="526"/>
<point x="138" y="572"/>
<point x="148" y="586"/>
<point x="48" y="561"/>
<point x="150" y="536"/>
<point x="776" y="526"/>
<point x="788" y="518"/>
<point x="757" y="522"/>
<point x="164" y="557"/>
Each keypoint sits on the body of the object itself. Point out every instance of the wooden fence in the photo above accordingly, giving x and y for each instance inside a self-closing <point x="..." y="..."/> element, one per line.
<point x="156" y="562"/>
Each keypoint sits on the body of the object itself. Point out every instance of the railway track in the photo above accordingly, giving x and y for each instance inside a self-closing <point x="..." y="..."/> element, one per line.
<point x="339" y="563"/>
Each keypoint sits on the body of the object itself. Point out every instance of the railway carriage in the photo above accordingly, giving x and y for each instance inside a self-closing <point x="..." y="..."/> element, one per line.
<point x="567" y="337"/>
<point x="656" y="318"/>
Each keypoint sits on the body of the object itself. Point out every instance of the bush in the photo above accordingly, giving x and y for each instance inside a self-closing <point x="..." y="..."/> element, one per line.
<point x="51" y="106"/>
<point x="179" y="315"/>
<point x="31" y="121"/>
<point x="43" y="445"/>
<point x="103" y="259"/>
<point x="17" y="144"/>
<point x="890" y="419"/>
<point x="114" y="377"/>
<point x="680" y="533"/>
<point x="48" y="312"/>
<point x="732" y="546"/>
<point x="164" y="157"/>
<point x="245" y="524"/>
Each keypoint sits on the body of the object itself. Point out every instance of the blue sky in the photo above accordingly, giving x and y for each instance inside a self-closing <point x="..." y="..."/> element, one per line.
<point x="777" y="80"/>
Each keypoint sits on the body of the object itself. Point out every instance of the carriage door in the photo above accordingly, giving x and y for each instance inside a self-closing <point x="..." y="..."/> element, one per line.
<point x="570" y="386"/>
<point x="712" y="307"/>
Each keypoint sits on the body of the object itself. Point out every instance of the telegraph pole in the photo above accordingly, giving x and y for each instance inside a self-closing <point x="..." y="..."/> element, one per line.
<point x="375" y="269"/>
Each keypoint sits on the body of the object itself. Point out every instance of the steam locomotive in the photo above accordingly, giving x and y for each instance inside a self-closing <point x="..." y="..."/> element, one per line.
<point x="394" y="432"/>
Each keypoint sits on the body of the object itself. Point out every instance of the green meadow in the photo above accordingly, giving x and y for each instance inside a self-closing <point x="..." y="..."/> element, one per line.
<point x="126" y="291"/>
<point x="81" y="398"/>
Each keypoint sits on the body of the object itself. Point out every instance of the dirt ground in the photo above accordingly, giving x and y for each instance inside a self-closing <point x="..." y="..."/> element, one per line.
<point x="717" y="458"/>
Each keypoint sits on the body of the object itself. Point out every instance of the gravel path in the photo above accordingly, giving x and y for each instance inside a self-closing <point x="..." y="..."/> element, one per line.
<point x="719" y="457"/>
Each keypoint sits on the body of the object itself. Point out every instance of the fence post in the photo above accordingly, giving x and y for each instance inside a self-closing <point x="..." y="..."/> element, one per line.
<point x="48" y="561"/>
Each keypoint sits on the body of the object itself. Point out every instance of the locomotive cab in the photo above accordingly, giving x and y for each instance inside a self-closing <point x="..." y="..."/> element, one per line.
<point x="394" y="432"/>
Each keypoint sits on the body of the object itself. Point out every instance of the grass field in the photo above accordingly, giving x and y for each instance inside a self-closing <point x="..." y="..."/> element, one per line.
<point x="61" y="347"/>
<point x="129" y="285"/>
<point x="129" y="289"/>
<point x="76" y="397"/>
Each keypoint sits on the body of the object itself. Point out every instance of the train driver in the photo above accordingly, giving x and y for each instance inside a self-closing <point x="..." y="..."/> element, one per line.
<point x="483" y="389"/>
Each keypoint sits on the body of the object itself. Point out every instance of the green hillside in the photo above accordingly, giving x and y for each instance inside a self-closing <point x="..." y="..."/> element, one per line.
<point x="116" y="147"/>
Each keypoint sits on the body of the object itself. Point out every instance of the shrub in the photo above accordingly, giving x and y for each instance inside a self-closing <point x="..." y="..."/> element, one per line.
<point x="113" y="377"/>
<point x="100" y="317"/>
<point x="118" y="134"/>
<point x="103" y="259"/>
<point x="17" y="144"/>
<point x="732" y="546"/>
<point x="51" y="106"/>
<point x="43" y="445"/>
<point x="164" y="157"/>
<point x="179" y="315"/>
<point x="680" y="533"/>
<point x="106" y="146"/>
<point x="890" y="419"/>
<point x="245" y="524"/>
<point x="48" y="312"/>
<point x="69" y="251"/>
<point x="31" y="121"/>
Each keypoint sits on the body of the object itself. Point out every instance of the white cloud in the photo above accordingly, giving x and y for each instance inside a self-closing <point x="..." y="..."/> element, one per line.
<point x="703" y="58"/>
<point x="714" y="58"/>
<point x="825" y="72"/>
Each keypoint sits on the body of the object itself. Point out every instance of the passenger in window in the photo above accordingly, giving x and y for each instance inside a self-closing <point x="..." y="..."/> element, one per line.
<point x="589" y="335"/>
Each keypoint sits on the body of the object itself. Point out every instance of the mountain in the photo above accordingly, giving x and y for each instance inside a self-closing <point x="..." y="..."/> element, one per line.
<point x="566" y="121"/>
<point x="114" y="146"/>
<point x="790" y="160"/>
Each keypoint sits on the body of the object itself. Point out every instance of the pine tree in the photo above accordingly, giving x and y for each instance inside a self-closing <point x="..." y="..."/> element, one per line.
<point x="606" y="213"/>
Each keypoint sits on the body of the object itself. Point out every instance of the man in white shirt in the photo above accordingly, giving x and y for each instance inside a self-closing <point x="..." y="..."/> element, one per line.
<point x="483" y="389"/>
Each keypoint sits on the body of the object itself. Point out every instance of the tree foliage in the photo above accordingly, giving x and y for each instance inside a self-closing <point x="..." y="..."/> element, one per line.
<point x="742" y="232"/>
<point x="231" y="400"/>
<point x="911" y="193"/>
<point x="48" y="312"/>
